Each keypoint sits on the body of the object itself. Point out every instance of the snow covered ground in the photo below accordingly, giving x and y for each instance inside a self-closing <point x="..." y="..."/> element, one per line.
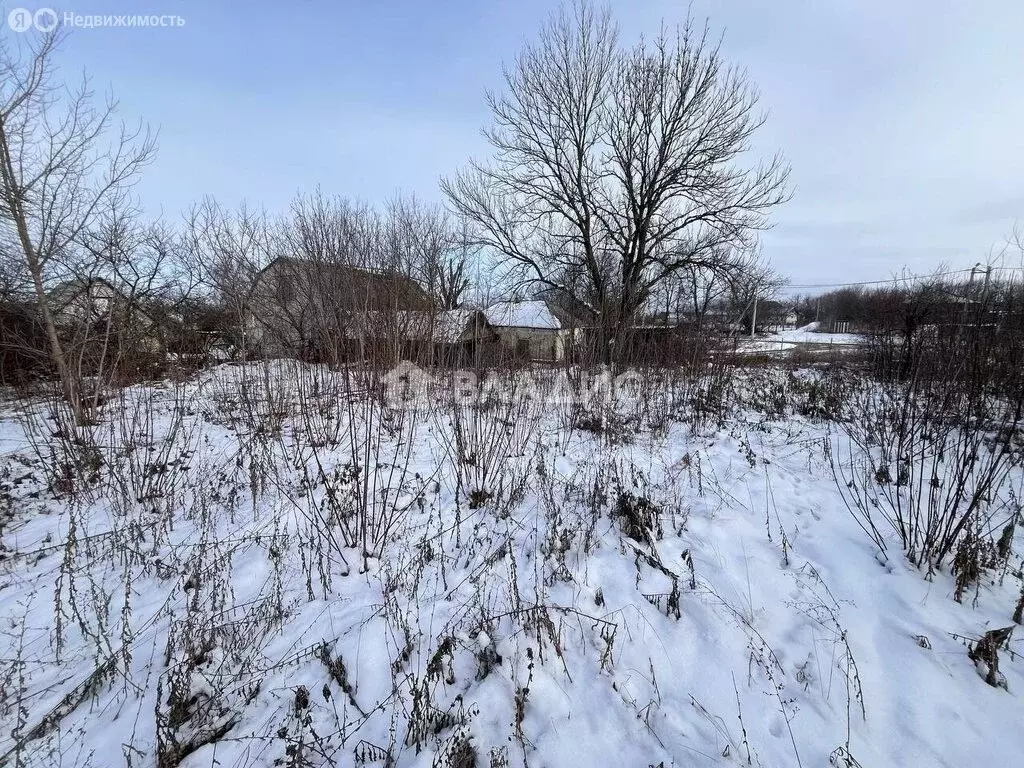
<point x="786" y="341"/>
<point x="262" y="567"/>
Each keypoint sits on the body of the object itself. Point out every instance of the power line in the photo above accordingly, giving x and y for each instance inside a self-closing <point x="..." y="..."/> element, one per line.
<point x="908" y="278"/>
<point x="891" y="280"/>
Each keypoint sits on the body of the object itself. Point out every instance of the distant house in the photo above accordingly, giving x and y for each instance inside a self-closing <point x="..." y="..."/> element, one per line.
<point x="91" y="309"/>
<point x="324" y="310"/>
<point x="528" y="329"/>
<point x="774" y="316"/>
<point x="946" y="313"/>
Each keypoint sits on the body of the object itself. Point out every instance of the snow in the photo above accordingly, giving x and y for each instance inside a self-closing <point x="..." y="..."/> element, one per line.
<point x="541" y="631"/>
<point x="809" y="334"/>
<point x="522" y="314"/>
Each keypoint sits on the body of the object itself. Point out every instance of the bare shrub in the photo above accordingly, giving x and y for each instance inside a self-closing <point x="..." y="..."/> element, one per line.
<point x="483" y="430"/>
<point x="934" y="436"/>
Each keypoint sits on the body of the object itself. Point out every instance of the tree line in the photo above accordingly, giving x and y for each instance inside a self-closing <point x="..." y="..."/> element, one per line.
<point x="621" y="184"/>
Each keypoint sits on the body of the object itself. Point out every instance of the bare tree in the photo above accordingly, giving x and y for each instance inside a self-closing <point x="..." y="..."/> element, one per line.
<point x="222" y="251"/>
<point x="427" y="244"/>
<point x="615" y="169"/>
<point x="695" y="290"/>
<point x="755" y="281"/>
<point x="342" y="286"/>
<point x="314" y="300"/>
<point x="135" y="263"/>
<point x="58" y="173"/>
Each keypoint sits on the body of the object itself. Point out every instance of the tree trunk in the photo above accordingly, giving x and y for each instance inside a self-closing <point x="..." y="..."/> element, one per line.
<point x="68" y="382"/>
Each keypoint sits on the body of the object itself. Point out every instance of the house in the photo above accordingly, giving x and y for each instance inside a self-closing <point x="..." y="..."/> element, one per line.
<point x="774" y="316"/>
<point x="527" y="329"/>
<point x="93" y="309"/>
<point x="326" y="310"/>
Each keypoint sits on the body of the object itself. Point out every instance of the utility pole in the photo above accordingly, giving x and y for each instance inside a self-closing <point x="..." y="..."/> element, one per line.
<point x="967" y="297"/>
<point x="753" y="322"/>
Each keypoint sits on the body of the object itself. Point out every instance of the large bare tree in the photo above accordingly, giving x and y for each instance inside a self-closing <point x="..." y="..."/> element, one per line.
<point x="615" y="168"/>
<point x="63" y="163"/>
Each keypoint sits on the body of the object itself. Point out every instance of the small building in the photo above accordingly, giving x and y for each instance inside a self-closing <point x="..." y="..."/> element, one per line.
<point x="320" y="310"/>
<point x="461" y="336"/>
<point x="527" y="329"/>
<point x="93" y="309"/>
<point x="774" y="316"/>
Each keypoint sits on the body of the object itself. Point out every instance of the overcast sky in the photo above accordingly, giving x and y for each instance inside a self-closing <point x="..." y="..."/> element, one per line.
<point x="903" y="120"/>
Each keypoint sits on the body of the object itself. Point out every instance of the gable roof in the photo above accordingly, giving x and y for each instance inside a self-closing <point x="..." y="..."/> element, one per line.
<point x="522" y="314"/>
<point x="66" y="305"/>
<point x="62" y="294"/>
<point x="454" y="325"/>
<point x="359" y="288"/>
